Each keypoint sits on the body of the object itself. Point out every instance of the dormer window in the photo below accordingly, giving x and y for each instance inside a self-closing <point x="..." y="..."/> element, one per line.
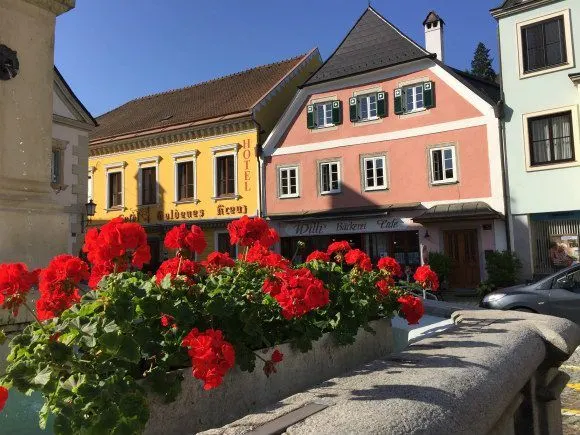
<point x="324" y="114"/>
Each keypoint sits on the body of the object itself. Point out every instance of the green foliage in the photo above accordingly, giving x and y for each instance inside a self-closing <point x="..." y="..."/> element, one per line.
<point x="485" y="288"/>
<point x="481" y="65"/>
<point x="441" y="264"/>
<point x="503" y="268"/>
<point x="96" y="363"/>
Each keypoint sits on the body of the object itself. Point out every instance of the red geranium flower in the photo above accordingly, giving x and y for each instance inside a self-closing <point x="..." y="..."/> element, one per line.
<point x="270" y="366"/>
<point x="385" y="285"/>
<point x="265" y="258"/>
<point x="3" y="397"/>
<point x="359" y="259"/>
<point x="338" y="247"/>
<point x="186" y="242"/>
<point x="217" y="260"/>
<point x="52" y="304"/>
<point x="277" y="356"/>
<point x="167" y="320"/>
<point x="300" y="292"/>
<point x="248" y="231"/>
<point x="412" y="308"/>
<point x="426" y="278"/>
<point x="211" y="356"/>
<point x="187" y="269"/>
<point x="272" y="286"/>
<point x="318" y="256"/>
<point x="390" y="265"/>
<point x="15" y="283"/>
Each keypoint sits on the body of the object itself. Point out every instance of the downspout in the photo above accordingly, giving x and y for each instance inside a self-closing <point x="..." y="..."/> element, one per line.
<point x="500" y="114"/>
<point x="258" y="160"/>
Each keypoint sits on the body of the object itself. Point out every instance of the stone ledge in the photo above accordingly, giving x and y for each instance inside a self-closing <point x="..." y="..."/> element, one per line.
<point x="466" y="380"/>
<point x="55" y="6"/>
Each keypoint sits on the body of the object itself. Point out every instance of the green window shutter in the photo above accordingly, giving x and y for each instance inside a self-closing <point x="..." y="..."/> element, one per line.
<point x="353" y="109"/>
<point x="337" y="112"/>
<point x="310" y="116"/>
<point x="429" y="94"/>
<point x="382" y="103"/>
<point x="399" y="108"/>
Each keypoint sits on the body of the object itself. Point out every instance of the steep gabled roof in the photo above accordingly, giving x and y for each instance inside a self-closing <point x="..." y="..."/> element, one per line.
<point x="508" y="5"/>
<point x="373" y="43"/>
<point x="232" y="95"/>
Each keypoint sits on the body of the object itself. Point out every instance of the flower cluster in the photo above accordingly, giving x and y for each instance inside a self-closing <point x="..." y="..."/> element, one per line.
<point x="58" y="285"/>
<point x="412" y="308"/>
<point x="270" y="365"/>
<point x="426" y="278"/>
<point x="265" y="258"/>
<point x="178" y="266"/>
<point x="358" y="259"/>
<point x="390" y="266"/>
<point x="185" y="241"/>
<point x="116" y="247"/>
<point x="338" y="249"/>
<point x="297" y="291"/>
<point x="15" y="283"/>
<point x="216" y="261"/>
<point x="249" y="231"/>
<point x="318" y="256"/>
<point x="211" y="356"/>
<point x="168" y="320"/>
<point x="385" y="285"/>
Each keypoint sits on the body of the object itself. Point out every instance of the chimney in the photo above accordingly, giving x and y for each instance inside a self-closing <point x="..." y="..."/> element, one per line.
<point x="434" y="35"/>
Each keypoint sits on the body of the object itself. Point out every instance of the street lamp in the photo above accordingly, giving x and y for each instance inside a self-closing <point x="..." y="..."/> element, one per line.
<point x="90" y="209"/>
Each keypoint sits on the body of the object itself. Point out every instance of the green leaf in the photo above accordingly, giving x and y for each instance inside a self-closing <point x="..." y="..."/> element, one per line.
<point x="73" y="382"/>
<point x="120" y="346"/>
<point x="69" y="337"/>
<point x="43" y="415"/>
<point x="42" y="377"/>
<point x="2" y="337"/>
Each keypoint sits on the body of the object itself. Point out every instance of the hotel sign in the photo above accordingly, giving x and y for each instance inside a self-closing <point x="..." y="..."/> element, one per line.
<point x="346" y="226"/>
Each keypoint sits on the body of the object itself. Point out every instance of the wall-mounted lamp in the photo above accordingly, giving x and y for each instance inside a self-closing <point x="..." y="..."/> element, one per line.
<point x="90" y="209"/>
<point x="427" y="235"/>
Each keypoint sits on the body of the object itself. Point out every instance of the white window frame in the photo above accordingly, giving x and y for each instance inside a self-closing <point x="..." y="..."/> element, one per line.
<point x="366" y="98"/>
<point x="287" y="169"/>
<point x="90" y="183"/>
<point x="149" y="162"/>
<point x="184" y="157"/>
<point x="216" y="245"/>
<point x="414" y="88"/>
<point x="323" y="104"/>
<point x="442" y="149"/>
<point x="575" y="137"/>
<point x="331" y="191"/>
<point x="570" y="62"/>
<point x="364" y="173"/>
<point x="111" y="168"/>
<point x="223" y="151"/>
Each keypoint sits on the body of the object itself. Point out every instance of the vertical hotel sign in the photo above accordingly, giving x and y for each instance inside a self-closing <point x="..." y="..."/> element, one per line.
<point x="246" y="159"/>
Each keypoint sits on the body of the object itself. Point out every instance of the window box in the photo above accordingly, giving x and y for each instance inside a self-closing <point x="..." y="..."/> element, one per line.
<point x="329" y="176"/>
<point x="288" y="182"/>
<point x="443" y="165"/>
<point x="323" y="115"/>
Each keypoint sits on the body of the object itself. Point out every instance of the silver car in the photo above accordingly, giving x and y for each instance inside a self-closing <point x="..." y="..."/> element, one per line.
<point x="557" y="295"/>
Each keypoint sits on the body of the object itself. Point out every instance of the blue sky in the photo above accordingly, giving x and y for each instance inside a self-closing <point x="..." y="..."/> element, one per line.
<point x="111" y="51"/>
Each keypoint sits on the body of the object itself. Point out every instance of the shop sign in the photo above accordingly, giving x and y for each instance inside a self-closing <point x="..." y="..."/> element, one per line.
<point x="346" y="226"/>
<point x="146" y="215"/>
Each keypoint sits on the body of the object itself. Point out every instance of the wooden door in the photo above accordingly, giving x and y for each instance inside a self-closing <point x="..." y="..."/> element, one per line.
<point x="462" y="247"/>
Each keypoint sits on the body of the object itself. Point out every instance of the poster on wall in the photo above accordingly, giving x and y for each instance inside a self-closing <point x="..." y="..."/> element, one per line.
<point x="564" y="250"/>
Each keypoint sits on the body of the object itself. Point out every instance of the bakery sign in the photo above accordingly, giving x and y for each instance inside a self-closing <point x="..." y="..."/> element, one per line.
<point x="346" y="226"/>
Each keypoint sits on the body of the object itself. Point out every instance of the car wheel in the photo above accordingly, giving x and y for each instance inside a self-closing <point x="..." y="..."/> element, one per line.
<point x="525" y="310"/>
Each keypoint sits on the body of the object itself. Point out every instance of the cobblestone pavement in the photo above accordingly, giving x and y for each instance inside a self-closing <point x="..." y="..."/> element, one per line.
<point x="571" y="396"/>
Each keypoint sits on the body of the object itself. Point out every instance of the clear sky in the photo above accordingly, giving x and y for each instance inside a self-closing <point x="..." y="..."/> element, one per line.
<point x="111" y="51"/>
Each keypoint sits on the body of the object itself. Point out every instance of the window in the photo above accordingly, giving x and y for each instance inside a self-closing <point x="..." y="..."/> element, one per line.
<point x="56" y="168"/>
<point x="185" y="191"/>
<point x="443" y="165"/>
<point x="115" y="189"/>
<point x="225" y="176"/>
<point x="570" y="282"/>
<point x="324" y="114"/>
<point x="148" y="186"/>
<point x="288" y="182"/>
<point x="544" y="44"/>
<point x="367" y="107"/>
<point x="374" y="173"/>
<point x="551" y="139"/>
<point x="329" y="177"/>
<point x="224" y="245"/>
<point x="414" y="98"/>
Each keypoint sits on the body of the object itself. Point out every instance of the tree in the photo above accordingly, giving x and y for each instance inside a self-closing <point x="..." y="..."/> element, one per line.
<point x="481" y="63"/>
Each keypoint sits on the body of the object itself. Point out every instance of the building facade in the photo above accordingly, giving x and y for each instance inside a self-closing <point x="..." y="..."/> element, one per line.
<point x="387" y="147"/>
<point x="541" y="88"/>
<point x="71" y="124"/>
<point x="191" y="155"/>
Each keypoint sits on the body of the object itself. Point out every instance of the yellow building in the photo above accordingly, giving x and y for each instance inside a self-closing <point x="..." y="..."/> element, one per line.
<point x="191" y="155"/>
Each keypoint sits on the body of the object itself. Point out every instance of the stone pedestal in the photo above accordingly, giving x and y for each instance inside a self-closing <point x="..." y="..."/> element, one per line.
<point x="32" y="227"/>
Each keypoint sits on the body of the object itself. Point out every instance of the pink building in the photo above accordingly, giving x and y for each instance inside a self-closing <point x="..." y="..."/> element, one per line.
<point x="391" y="149"/>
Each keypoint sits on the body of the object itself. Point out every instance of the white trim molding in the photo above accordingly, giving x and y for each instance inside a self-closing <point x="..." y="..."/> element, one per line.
<point x="288" y="167"/>
<point x="570" y="63"/>
<point x="147" y="162"/>
<point x="184" y="157"/>
<point x="575" y="136"/>
<point x="223" y="151"/>
<point x="442" y="149"/>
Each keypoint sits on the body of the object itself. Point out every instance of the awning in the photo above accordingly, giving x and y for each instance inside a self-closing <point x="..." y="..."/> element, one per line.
<point x="459" y="211"/>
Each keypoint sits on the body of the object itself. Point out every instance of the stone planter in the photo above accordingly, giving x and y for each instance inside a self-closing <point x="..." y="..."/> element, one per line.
<point x="243" y="392"/>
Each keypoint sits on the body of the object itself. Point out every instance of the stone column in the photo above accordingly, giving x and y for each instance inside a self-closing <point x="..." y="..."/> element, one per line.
<point x="32" y="227"/>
